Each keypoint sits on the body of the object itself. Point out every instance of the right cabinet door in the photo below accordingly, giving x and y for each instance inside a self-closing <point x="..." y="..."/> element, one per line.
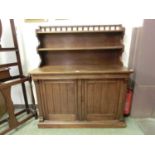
<point x="103" y="99"/>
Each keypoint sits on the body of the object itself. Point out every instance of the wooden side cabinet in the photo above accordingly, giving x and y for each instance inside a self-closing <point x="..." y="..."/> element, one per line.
<point x="81" y="81"/>
<point x="81" y="102"/>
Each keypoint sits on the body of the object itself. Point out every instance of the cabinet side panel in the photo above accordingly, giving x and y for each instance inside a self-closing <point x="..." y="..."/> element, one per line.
<point x="42" y="114"/>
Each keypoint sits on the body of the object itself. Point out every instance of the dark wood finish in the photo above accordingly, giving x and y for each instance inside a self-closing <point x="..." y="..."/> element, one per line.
<point x="81" y="81"/>
<point x="2" y="105"/>
<point x="8" y="65"/>
<point x="81" y="58"/>
<point x="11" y="49"/>
<point x="10" y="108"/>
<point x="6" y="103"/>
<point x="19" y="62"/>
<point x="80" y="48"/>
<point x="4" y="74"/>
<point x="80" y="40"/>
<point x="61" y="100"/>
<point x="16" y="114"/>
<point x="80" y="29"/>
<point x="101" y="99"/>
<point x="57" y="46"/>
<point x="18" y="124"/>
<point x="79" y="69"/>
<point x="7" y="81"/>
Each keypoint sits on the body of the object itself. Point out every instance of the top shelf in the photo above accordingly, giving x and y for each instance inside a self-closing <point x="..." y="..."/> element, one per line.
<point x="80" y="29"/>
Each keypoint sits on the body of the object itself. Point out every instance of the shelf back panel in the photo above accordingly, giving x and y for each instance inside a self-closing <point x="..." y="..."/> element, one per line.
<point x="78" y="40"/>
<point x="81" y="58"/>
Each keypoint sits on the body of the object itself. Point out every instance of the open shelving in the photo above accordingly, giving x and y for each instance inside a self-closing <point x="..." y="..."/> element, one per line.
<point x="101" y="41"/>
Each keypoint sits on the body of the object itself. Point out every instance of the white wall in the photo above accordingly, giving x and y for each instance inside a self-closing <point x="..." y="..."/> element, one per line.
<point x="7" y="41"/>
<point x="28" y="41"/>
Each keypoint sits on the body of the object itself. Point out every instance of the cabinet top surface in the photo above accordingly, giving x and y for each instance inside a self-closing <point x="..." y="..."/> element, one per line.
<point x="79" y="69"/>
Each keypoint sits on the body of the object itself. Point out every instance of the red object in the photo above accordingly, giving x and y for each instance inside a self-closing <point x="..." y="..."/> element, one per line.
<point x="128" y="102"/>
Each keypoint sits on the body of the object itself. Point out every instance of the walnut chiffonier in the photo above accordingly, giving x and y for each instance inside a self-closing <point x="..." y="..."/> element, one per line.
<point x="81" y="81"/>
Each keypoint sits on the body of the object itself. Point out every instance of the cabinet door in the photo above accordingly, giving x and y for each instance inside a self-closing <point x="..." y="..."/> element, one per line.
<point x="101" y="99"/>
<point x="60" y="100"/>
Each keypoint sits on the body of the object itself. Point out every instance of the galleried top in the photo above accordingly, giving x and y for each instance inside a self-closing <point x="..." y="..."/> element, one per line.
<point x="77" y="29"/>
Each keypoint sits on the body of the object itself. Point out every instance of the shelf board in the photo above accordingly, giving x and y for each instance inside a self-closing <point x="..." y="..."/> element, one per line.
<point x="82" y="48"/>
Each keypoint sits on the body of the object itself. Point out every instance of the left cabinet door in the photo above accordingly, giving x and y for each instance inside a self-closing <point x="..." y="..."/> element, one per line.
<point x="59" y="99"/>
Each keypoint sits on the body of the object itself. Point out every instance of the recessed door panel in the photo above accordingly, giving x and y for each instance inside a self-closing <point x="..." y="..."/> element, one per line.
<point x="61" y="100"/>
<point x="101" y="99"/>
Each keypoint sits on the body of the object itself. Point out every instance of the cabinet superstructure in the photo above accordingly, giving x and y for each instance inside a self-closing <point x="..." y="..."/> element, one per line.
<point x="81" y="81"/>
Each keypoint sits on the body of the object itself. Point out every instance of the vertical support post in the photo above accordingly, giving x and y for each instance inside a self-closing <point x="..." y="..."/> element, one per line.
<point x="19" y="63"/>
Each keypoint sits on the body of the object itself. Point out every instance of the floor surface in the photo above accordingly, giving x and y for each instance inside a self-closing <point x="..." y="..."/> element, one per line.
<point x="30" y="128"/>
<point x="147" y="125"/>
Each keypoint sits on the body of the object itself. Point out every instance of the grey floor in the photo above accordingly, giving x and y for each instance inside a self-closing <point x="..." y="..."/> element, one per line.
<point x="147" y="125"/>
<point x="134" y="127"/>
<point x="144" y="126"/>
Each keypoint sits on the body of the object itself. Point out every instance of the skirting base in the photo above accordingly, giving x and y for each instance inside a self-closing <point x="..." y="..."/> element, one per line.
<point x="82" y="124"/>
